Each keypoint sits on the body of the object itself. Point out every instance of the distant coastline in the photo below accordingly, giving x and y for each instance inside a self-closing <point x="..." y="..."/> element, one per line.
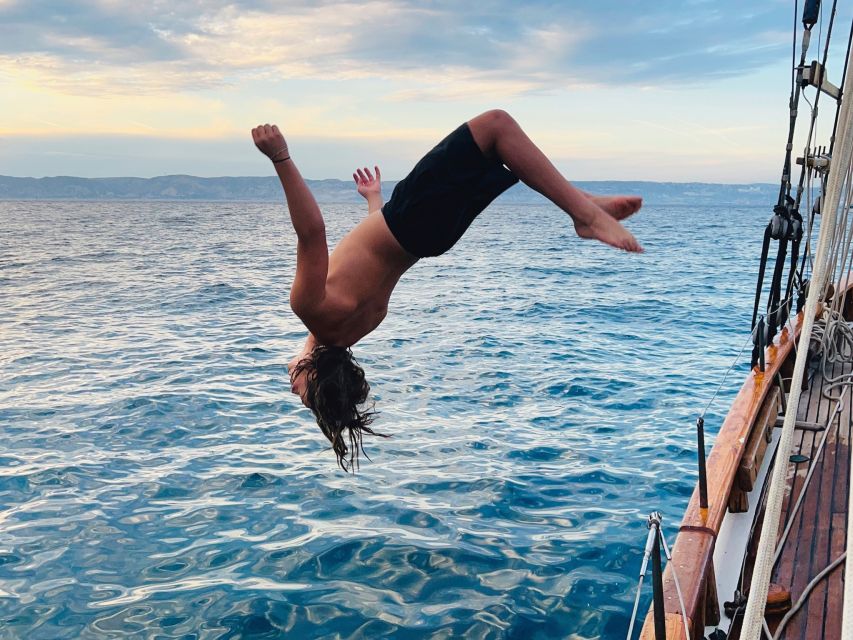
<point x="267" y="189"/>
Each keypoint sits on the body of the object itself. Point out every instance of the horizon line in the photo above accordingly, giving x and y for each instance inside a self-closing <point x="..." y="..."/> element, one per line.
<point x="273" y="176"/>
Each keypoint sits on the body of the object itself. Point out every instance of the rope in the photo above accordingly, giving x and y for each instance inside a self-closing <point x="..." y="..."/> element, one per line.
<point x="763" y="566"/>
<point x="677" y="584"/>
<point x="751" y="336"/>
<point x="805" y="595"/>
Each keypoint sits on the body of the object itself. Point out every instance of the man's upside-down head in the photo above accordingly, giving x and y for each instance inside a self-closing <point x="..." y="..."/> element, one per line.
<point x="331" y="383"/>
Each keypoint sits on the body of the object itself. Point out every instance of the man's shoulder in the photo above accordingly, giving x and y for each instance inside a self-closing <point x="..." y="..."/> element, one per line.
<point x="323" y="311"/>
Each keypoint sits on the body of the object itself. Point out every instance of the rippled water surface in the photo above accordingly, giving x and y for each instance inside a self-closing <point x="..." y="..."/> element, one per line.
<point x="158" y="480"/>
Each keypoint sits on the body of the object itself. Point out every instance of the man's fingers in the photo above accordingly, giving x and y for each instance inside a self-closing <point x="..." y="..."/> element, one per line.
<point x="355" y="177"/>
<point x="275" y="129"/>
<point x="369" y="175"/>
<point x="361" y="176"/>
<point x="378" y="175"/>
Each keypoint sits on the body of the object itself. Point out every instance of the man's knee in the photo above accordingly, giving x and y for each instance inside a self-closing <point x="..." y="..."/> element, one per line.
<point x="498" y="119"/>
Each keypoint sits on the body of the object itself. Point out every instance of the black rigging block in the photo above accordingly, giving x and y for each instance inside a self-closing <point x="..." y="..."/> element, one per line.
<point x="811" y="13"/>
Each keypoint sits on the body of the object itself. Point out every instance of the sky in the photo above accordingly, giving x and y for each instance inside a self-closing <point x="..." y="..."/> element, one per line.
<point x="674" y="90"/>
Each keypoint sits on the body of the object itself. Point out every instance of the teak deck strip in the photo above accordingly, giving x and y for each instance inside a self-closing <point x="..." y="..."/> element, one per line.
<point x="819" y="532"/>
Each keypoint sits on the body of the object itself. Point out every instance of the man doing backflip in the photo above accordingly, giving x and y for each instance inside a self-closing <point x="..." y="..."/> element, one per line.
<point x="344" y="296"/>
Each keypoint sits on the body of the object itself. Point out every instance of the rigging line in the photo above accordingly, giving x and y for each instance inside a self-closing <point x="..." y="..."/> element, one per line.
<point x="836" y="329"/>
<point x="820" y="26"/>
<point x="675" y="578"/>
<point x="812" y="124"/>
<point x="821" y="75"/>
<point x="636" y="607"/>
<point x="789" y="322"/>
<point x="808" y="231"/>
<point x="785" y="181"/>
<point x="726" y="375"/>
<point x="794" y="53"/>
<point x="844" y="238"/>
<point x="841" y="97"/>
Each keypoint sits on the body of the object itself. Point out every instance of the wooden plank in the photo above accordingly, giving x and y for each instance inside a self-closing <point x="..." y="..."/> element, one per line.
<point x="835" y="582"/>
<point x="792" y="570"/>
<point x="802" y="424"/>
<point x="839" y="521"/>
<point x="756" y="446"/>
<point x="839" y="501"/>
<point x="674" y="626"/>
<point x="824" y="477"/>
<point x="802" y="545"/>
<point x="784" y="574"/>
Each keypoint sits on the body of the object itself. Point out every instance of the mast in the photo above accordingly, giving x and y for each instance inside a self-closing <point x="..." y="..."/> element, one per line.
<point x="838" y="174"/>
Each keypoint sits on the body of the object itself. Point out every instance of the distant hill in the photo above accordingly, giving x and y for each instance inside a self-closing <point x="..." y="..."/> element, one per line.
<point x="182" y="187"/>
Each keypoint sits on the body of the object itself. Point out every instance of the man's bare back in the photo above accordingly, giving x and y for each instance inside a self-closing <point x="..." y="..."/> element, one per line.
<point x="344" y="296"/>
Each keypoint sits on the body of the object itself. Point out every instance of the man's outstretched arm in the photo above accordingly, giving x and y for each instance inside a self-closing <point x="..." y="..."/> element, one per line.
<point x="370" y="187"/>
<point x="312" y="253"/>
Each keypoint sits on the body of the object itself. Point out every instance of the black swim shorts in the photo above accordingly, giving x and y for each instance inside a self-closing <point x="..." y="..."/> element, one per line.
<point x="435" y="204"/>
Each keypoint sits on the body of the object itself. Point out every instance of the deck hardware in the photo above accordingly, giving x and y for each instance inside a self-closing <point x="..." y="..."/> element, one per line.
<point x="811" y="13"/>
<point x="652" y="550"/>
<point x="815" y="75"/>
<point x="759" y="342"/>
<point x="700" y="450"/>
<point x="804" y="425"/>
<point x="781" y="384"/>
<point x="653" y="541"/>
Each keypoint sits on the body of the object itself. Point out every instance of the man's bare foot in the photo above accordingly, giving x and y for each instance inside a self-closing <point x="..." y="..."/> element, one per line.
<point x="619" y="207"/>
<point x="606" y="229"/>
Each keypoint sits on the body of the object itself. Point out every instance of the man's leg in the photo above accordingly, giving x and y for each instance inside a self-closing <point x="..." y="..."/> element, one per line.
<point x="499" y="136"/>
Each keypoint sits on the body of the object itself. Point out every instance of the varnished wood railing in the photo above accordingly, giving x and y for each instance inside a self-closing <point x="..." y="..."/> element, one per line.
<point x="693" y="551"/>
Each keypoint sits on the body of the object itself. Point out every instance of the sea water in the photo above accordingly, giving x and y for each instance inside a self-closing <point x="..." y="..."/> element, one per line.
<point x="159" y="480"/>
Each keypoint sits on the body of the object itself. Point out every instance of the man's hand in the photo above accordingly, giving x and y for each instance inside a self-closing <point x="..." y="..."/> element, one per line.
<point x="270" y="142"/>
<point x="366" y="184"/>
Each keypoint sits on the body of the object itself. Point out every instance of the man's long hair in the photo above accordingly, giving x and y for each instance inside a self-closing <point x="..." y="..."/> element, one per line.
<point x="335" y="388"/>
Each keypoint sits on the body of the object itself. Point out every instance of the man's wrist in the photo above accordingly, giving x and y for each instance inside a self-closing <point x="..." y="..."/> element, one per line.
<point x="374" y="201"/>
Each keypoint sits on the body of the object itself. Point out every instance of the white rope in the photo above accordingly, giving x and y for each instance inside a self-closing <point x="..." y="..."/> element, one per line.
<point x="754" y="617"/>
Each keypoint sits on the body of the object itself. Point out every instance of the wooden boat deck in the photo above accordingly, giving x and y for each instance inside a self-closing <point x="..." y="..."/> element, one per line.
<point x="819" y="530"/>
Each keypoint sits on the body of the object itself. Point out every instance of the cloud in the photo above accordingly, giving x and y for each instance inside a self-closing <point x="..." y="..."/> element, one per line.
<point x="447" y="49"/>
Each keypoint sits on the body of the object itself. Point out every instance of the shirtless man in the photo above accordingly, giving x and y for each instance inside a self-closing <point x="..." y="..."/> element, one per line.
<point x="343" y="297"/>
